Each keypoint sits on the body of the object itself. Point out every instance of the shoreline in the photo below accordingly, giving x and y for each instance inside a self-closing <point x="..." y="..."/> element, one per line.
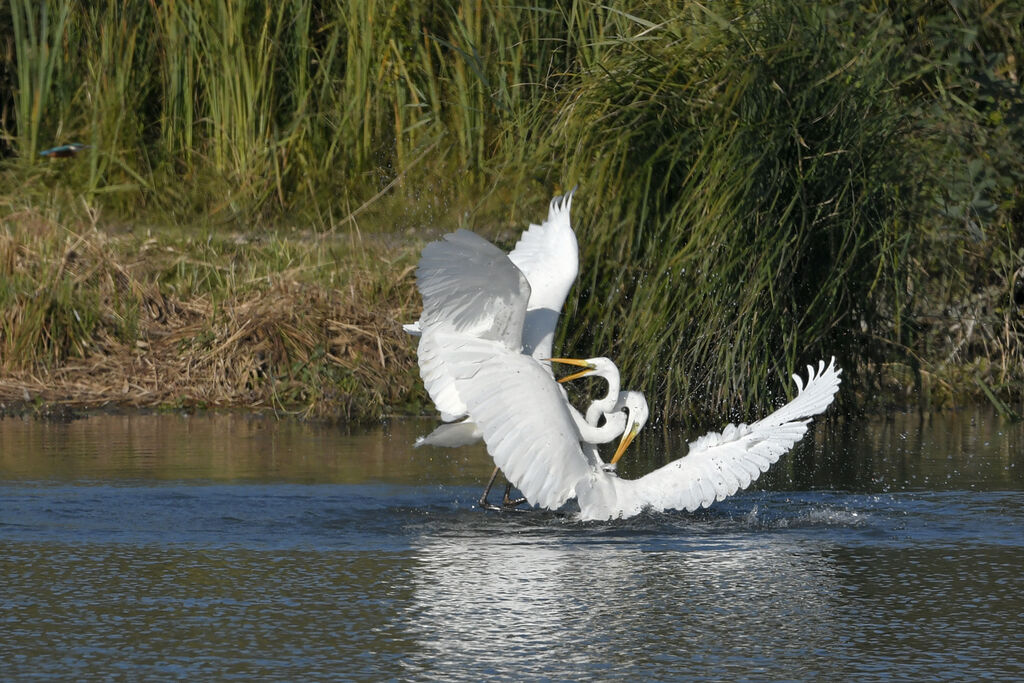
<point x="292" y="324"/>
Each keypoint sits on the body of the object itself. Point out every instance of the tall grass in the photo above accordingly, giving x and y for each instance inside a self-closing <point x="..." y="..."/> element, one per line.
<point x="37" y="31"/>
<point x="251" y="101"/>
<point x="762" y="182"/>
<point x="747" y="203"/>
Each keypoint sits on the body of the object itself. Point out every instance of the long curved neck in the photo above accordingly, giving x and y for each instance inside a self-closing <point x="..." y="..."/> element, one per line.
<point x="615" y="424"/>
<point x="605" y="406"/>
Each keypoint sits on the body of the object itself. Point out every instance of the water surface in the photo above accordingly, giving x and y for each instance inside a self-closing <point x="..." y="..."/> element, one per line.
<point x="220" y="547"/>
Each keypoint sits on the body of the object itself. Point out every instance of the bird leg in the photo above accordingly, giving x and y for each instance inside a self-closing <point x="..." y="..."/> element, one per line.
<point x="507" y="504"/>
<point x="487" y="491"/>
<point x="510" y="504"/>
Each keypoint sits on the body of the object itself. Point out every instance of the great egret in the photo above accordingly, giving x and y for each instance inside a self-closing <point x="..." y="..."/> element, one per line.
<point x="609" y="407"/>
<point x="465" y="432"/>
<point x="474" y="311"/>
<point x="625" y="417"/>
<point x="548" y="256"/>
<point x="595" y="367"/>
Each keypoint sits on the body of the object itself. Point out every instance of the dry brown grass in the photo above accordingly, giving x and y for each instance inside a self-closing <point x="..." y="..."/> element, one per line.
<point x="87" y="321"/>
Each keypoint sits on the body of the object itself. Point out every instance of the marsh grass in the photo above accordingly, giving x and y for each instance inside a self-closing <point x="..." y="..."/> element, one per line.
<point x="761" y="184"/>
<point x="37" y="31"/>
<point x="165" y="321"/>
<point x="750" y="167"/>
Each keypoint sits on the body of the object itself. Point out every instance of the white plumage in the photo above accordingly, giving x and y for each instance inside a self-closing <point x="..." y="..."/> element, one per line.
<point x="479" y="360"/>
<point x="717" y="464"/>
<point x="546" y="255"/>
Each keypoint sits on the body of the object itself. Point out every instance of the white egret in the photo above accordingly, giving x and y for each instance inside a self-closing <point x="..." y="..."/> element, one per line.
<point x="615" y="409"/>
<point x="465" y="432"/>
<point x="474" y="310"/>
<point x="610" y="408"/>
<point x="548" y="255"/>
<point x="624" y="418"/>
<point x="595" y="367"/>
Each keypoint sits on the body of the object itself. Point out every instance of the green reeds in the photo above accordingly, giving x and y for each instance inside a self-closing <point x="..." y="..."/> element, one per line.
<point x="746" y="204"/>
<point x="761" y="183"/>
<point x="38" y="35"/>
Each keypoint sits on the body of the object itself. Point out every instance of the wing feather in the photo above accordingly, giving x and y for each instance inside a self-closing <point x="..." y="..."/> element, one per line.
<point x="470" y="285"/>
<point x="451" y="435"/>
<point x="548" y="255"/>
<point x="718" y="465"/>
<point x="523" y="417"/>
<point x="437" y="379"/>
<point x="722" y="464"/>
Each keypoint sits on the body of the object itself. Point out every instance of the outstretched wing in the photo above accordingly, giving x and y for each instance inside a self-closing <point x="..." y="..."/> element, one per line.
<point x="548" y="255"/>
<point x="718" y="464"/>
<point x="468" y="286"/>
<point x="523" y="417"/>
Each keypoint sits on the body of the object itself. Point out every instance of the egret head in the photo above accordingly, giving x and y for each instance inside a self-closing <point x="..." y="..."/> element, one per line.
<point x="601" y="366"/>
<point x="637" y="412"/>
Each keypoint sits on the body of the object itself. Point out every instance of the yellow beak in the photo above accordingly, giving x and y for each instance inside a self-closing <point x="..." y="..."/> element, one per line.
<point x="627" y="438"/>
<point x="588" y="368"/>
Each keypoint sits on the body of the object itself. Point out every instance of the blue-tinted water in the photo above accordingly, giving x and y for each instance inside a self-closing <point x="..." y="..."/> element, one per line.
<point x="162" y="547"/>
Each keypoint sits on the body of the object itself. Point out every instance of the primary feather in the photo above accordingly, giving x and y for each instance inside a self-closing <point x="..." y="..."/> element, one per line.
<point x="467" y="276"/>
<point x="717" y="464"/>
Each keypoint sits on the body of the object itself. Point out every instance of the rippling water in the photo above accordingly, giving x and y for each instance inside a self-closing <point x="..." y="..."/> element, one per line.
<point x="168" y="547"/>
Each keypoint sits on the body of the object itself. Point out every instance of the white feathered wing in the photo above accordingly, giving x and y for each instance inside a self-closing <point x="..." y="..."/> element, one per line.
<point x="717" y="464"/>
<point x="546" y="254"/>
<point x="523" y="416"/>
<point x="475" y="326"/>
<point x="467" y="287"/>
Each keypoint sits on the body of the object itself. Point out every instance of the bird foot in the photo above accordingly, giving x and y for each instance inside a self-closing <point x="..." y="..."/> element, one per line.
<point x="508" y="504"/>
<point x="513" y="505"/>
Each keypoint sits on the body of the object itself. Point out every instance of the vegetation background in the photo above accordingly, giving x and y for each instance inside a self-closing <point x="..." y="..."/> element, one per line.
<point x="762" y="183"/>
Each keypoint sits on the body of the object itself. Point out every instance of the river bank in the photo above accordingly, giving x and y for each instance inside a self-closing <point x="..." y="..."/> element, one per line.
<point x="108" y="316"/>
<point x="187" y="223"/>
<point x="138" y="317"/>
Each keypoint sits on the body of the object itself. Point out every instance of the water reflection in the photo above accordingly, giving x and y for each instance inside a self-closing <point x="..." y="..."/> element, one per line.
<point x="946" y="610"/>
<point x="635" y="599"/>
<point x="972" y="449"/>
<point x="159" y="613"/>
<point x="228" y="447"/>
<point x="226" y="547"/>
